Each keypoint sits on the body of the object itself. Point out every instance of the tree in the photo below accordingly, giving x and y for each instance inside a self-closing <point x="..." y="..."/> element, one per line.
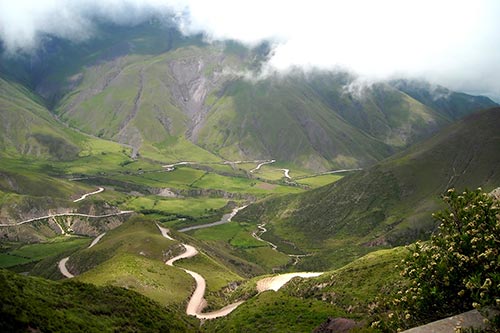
<point x="458" y="269"/>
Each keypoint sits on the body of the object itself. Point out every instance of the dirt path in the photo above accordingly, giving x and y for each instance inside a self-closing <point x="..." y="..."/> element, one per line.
<point x="96" y="240"/>
<point x="340" y="171"/>
<point x="65" y="214"/>
<point x="171" y="167"/>
<point x="62" y="264"/>
<point x="62" y="268"/>
<point x="261" y="164"/>
<point x="226" y="218"/>
<point x="197" y="301"/>
<point x="164" y="232"/>
<point x="286" y="173"/>
<point x="278" y="281"/>
<point x="101" y="189"/>
<point x="262" y="230"/>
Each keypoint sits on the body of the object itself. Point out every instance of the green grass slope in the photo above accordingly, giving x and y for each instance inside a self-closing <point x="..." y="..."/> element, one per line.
<point x="389" y="203"/>
<point x="36" y="304"/>
<point x="138" y="236"/>
<point x="284" y="119"/>
<point x="303" y="304"/>
<point x="52" y="69"/>
<point x="144" y="101"/>
<point x="133" y="256"/>
<point x="27" y="127"/>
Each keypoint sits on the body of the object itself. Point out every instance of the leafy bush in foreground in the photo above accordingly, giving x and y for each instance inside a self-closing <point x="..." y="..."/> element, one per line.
<point x="458" y="269"/>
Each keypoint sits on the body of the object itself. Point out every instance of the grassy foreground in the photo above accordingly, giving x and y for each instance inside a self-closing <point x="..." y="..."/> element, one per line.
<point x="35" y="304"/>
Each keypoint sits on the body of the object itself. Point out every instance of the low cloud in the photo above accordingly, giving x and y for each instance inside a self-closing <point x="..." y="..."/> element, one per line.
<point x="453" y="43"/>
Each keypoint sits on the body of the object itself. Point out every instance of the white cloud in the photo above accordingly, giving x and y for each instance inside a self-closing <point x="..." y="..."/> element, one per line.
<point x="449" y="42"/>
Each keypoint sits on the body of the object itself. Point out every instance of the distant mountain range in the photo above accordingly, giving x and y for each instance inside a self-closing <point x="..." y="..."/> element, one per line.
<point x="160" y="92"/>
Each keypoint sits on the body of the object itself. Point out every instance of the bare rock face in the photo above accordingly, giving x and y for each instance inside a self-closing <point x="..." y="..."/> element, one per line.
<point x="195" y="78"/>
<point x="167" y="193"/>
<point x="336" y="325"/>
<point x="495" y="194"/>
<point x="94" y="227"/>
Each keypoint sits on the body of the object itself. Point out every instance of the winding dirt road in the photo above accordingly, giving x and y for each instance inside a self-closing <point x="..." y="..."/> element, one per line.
<point x="63" y="269"/>
<point x="226" y="218"/>
<point x="164" y="232"/>
<point x="197" y="301"/>
<point x="171" y="167"/>
<point x="261" y="164"/>
<point x="286" y="173"/>
<point x="262" y="229"/>
<point x="62" y="264"/>
<point x="65" y="214"/>
<point x="278" y="281"/>
<point x="340" y="171"/>
<point x="96" y="240"/>
<point x="101" y="189"/>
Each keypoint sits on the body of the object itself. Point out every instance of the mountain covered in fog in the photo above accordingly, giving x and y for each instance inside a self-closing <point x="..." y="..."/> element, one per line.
<point x="152" y="88"/>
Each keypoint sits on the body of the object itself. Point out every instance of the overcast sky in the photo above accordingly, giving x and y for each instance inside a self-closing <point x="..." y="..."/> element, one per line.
<point x="454" y="43"/>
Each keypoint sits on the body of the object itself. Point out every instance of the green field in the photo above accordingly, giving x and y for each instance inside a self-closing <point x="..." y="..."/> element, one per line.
<point x="242" y="185"/>
<point x="317" y="181"/>
<point x="36" y="252"/>
<point x="194" y="207"/>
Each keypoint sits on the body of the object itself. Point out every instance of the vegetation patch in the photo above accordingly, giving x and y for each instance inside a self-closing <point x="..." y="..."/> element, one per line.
<point x="30" y="303"/>
<point x="36" y="252"/>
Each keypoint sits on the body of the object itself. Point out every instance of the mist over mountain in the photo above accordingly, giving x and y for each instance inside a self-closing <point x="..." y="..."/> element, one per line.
<point x="149" y="85"/>
<point x="284" y="151"/>
<point x="448" y="43"/>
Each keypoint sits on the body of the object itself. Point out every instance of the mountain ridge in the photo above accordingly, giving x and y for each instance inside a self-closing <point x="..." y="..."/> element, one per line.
<point x="162" y="94"/>
<point x="389" y="203"/>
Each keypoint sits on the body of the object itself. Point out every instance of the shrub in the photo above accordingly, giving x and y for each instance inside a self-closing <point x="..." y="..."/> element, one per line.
<point x="458" y="269"/>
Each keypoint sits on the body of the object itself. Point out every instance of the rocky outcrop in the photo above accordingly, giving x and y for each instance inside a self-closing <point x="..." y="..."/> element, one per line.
<point x="336" y="325"/>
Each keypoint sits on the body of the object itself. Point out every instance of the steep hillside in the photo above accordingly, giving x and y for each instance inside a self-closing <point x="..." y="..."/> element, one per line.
<point x="27" y="127"/>
<point x="50" y="69"/>
<point x="451" y="103"/>
<point x="35" y="304"/>
<point x="176" y="98"/>
<point x="391" y="202"/>
<point x="197" y="96"/>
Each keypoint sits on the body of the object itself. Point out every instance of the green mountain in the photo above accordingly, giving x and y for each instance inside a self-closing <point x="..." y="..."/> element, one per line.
<point x="87" y="127"/>
<point x="197" y="96"/>
<point x="389" y="203"/>
<point x="176" y="98"/>
<point x="451" y="103"/>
